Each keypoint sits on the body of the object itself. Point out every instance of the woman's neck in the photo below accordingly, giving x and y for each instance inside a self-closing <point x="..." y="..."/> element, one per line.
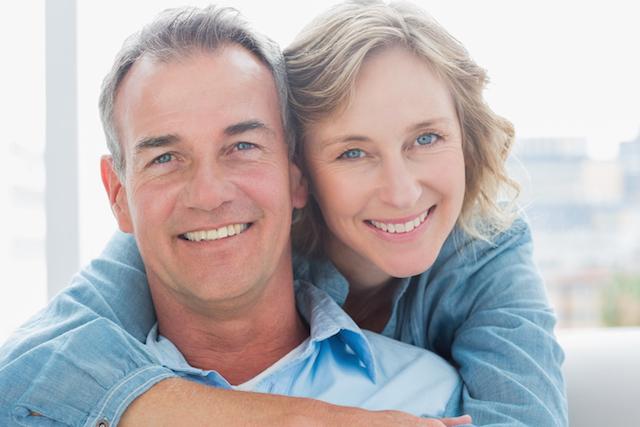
<point x="370" y="289"/>
<point x="371" y="309"/>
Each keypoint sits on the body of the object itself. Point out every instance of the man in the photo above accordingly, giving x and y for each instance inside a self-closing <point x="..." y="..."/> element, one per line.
<point x="196" y="121"/>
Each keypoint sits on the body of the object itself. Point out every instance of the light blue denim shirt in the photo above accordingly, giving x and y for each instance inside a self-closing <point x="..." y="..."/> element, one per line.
<point x="342" y="364"/>
<point x="484" y="308"/>
<point x="481" y="306"/>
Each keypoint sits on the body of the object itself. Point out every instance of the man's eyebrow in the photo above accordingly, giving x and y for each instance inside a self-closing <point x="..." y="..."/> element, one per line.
<point x="155" y="141"/>
<point x="246" y="126"/>
<point x="235" y="129"/>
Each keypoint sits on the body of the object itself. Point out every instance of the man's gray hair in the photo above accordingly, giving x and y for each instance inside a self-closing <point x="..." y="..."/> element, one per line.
<point x="176" y="33"/>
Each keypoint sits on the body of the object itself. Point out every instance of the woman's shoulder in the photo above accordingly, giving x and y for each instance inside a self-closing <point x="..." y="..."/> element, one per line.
<point x="472" y="275"/>
<point x="467" y="264"/>
<point x="464" y="248"/>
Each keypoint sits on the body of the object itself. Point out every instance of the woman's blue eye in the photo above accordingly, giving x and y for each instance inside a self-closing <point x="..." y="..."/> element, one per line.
<point x="354" y="153"/>
<point x="241" y="146"/>
<point x="165" y="158"/>
<point x="427" y="139"/>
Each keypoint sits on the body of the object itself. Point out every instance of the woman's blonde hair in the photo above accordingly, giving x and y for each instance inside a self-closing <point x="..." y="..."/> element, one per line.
<point x="322" y="65"/>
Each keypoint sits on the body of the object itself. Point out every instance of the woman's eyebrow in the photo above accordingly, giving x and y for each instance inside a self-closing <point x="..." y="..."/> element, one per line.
<point x="343" y="139"/>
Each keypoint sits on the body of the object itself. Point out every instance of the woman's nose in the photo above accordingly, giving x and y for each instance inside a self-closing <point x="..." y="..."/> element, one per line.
<point x="400" y="187"/>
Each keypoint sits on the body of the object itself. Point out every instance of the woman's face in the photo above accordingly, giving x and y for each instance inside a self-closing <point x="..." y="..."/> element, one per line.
<point x="388" y="171"/>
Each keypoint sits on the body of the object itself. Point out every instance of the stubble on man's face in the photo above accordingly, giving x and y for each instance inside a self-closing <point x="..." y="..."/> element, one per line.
<point x="209" y="189"/>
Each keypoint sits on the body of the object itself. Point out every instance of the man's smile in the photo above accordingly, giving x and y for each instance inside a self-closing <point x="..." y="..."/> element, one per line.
<point x="215" y="233"/>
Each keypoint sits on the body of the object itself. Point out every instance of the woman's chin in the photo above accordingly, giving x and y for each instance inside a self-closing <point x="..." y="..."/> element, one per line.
<point x="404" y="269"/>
<point x="411" y="264"/>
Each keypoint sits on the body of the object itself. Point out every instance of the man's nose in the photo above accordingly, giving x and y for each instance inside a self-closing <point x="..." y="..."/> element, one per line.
<point x="208" y="188"/>
<point x="399" y="184"/>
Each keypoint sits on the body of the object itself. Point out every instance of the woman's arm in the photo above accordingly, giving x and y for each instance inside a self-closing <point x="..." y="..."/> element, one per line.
<point x="179" y="402"/>
<point x="503" y="343"/>
<point x="84" y="351"/>
<point x="89" y="373"/>
<point x="74" y="380"/>
<point x="112" y="287"/>
<point x="82" y="360"/>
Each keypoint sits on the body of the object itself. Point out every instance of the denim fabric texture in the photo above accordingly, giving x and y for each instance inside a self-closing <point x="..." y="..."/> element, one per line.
<point x="481" y="306"/>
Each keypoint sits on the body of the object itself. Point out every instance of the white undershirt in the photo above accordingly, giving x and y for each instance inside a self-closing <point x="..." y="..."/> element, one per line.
<point x="250" y="385"/>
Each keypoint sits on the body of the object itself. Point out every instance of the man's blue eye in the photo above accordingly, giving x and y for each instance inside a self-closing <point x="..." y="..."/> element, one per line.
<point x="427" y="139"/>
<point x="354" y="153"/>
<point x="166" y="157"/>
<point x="241" y="146"/>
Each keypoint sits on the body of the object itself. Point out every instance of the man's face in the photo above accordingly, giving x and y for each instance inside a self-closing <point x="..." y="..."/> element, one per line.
<point x="209" y="189"/>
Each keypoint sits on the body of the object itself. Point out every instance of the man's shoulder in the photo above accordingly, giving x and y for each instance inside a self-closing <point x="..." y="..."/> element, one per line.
<point x="412" y="378"/>
<point x="390" y="352"/>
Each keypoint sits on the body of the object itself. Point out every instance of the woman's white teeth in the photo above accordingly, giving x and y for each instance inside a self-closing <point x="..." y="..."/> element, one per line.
<point x="401" y="228"/>
<point x="218" y="233"/>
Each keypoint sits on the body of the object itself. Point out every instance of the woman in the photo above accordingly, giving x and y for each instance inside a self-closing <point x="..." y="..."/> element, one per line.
<point x="405" y="164"/>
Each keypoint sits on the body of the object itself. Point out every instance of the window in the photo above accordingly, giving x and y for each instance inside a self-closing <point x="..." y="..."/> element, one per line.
<point x="563" y="72"/>
<point x="22" y="181"/>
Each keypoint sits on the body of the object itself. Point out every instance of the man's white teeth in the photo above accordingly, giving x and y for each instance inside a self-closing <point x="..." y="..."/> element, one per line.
<point x="401" y="228"/>
<point x="218" y="233"/>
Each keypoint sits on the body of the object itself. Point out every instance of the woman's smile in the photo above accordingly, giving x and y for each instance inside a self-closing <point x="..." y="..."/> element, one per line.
<point x="403" y="225"/>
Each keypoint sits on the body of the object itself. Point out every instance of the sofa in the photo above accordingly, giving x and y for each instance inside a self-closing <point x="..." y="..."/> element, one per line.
<point x="602" y="371"/>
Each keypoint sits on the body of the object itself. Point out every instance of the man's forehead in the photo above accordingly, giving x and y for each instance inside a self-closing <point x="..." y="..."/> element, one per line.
<point x="230" y="50"/>
<point x="228" y="83"/>
<point x="242" y="62"/>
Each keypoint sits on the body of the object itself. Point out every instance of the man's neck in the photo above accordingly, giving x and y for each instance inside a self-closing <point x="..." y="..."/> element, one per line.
<point x="237" y="344"/>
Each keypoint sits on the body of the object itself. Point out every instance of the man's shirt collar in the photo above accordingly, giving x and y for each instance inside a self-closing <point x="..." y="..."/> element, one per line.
<point x="325" y="318"/>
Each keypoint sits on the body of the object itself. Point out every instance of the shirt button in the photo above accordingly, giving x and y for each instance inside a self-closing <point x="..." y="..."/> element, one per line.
<point x="102" y="423"/>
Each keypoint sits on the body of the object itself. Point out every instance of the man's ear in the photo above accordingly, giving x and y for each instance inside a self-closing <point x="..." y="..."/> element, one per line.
<point x="117" y="194"/>
<point x="299" y="188"/>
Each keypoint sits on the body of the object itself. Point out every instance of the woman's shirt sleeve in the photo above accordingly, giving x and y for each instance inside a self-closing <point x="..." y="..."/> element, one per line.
<point x="487" y="312"/>
<point x="86" y="347"/>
